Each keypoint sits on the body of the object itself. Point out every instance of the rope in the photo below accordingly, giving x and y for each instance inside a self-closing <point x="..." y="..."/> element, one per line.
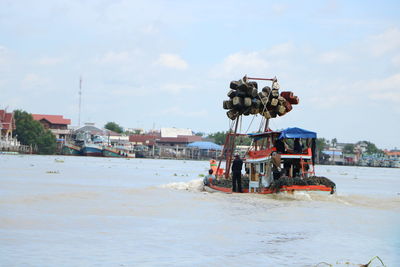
<point x="250" y="123"/>
<point x="361" y="265"/>
<point x="376" y="257"/>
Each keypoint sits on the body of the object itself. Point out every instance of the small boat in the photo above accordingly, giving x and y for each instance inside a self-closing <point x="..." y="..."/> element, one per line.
<point x="69" y="149"/>
<point x="117" y="153"/>
<point x="93" y="150"/>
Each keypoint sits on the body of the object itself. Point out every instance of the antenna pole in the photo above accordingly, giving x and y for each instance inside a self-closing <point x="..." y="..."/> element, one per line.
<point x="80" y="101"/>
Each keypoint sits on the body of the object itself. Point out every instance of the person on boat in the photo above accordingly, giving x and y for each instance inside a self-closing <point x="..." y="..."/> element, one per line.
<point x="213" y="166"/>
<point x="237" y="174"/>
<point x="297" y="147"/>
<point x="280" y="146"/>
<point x="210" y="178"/>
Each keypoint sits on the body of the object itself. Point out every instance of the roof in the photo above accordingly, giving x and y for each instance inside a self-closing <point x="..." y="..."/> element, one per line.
<point x="332" y="152"/>
<point x="297" y="133"/>
<point x="53" y="119"/>
<point x="6" y="120"/>
<point x="174" y="132"/>
<point x="205" y="145"/>
<point x="393" y="153"/>
<point x="90" y="129"/>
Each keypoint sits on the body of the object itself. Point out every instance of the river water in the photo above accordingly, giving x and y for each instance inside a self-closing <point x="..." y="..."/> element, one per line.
<point x="83" y="211"/>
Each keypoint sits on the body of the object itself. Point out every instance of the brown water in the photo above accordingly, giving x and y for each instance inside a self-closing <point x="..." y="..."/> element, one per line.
<point x="82" y="211"/>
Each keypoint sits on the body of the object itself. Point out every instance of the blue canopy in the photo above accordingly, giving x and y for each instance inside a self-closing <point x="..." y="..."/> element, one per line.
<point x="205" y="145"/>
<point x="297" y="133"/>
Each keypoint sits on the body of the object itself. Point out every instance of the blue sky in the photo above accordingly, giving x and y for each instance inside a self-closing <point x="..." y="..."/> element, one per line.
<point x="169" y="63"/>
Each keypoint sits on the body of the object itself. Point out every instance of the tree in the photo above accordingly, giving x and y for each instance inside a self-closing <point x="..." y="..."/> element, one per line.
<point x="46" y="143"/>
<point x="334" y="142"/>
<point x="219" y="137"/>
<point x="112" y="126"/>
<point x="348" y="149"/>
<point x="31" y="132"/>
<point x="321" y="144"/>
<point x="370" y="147"/>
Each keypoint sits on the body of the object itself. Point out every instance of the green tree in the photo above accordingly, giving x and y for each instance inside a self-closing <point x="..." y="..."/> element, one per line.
<point x="46" y="143"/>
<point x="112" y="126"/>
<point x="243" y="140"/>
<point x="334" y="142"/>
<point x="348" y="149"/>
<point x="218" y="137"/>
<point x="31" y="132"/>
<point x="371" y="147"/>
<point x="321" y="144"/>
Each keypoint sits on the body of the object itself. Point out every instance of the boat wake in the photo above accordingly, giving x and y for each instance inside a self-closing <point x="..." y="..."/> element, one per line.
<point x="392" y="203"/>
<point x="193" y="185"/>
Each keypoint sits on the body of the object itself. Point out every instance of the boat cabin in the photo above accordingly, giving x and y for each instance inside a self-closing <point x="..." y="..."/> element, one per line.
<point x="274" y="154"/>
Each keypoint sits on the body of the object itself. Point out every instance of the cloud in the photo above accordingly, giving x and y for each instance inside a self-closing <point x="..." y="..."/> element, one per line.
<point x="387" y="89"/>
<point x="172" y="61"/>
<point x="386" y="42"/>
<point x="242" y="63"/>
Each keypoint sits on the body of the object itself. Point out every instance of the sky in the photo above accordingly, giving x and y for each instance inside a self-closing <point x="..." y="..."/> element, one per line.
<point x="152" y="64"/>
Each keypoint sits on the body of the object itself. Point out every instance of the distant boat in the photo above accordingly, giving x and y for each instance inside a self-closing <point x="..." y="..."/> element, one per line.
<point x="69" y="149"/>
<point x="112" y="152"/>
<point x="93" y="150"/>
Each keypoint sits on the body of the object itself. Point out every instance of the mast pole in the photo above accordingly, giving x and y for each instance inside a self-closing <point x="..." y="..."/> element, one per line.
<point x="231" y="149"/>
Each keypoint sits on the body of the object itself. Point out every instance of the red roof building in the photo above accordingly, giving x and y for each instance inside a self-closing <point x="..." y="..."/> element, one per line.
<point x="55" y="123"/>
<point x="150" y="140"/>
<point x="7" y="124"/>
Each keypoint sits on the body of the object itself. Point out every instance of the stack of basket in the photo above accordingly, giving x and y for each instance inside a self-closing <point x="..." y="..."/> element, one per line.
<point x="244" y="99"/>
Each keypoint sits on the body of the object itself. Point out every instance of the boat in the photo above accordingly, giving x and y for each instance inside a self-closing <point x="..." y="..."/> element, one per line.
<point x="117" y="153"/>
<point x="276" y="161"/>
<point x="70" y="149"/>
<point x="93" y="150"/>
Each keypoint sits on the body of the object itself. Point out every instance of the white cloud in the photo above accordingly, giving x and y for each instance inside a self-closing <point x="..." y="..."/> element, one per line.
<point x="172" y="61"/>
<point x="242" y="63"/>
<point x="385" y="89"/>
<point x="384" y="43"/>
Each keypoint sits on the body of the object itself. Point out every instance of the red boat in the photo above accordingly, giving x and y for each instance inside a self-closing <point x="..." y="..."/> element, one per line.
<point x="277" y="161"/>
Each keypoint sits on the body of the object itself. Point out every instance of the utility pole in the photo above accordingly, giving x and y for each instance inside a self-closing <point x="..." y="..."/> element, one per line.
<point x="80" y="101"/>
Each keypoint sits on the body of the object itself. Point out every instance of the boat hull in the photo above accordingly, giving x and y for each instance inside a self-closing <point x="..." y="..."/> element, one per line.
<point x="288" y="189"/>
<point x="92" y="151"/>
<point x="72" y="150"/>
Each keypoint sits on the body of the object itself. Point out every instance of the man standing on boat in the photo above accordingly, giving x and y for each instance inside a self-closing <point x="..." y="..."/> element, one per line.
<point x="237" y="174"/>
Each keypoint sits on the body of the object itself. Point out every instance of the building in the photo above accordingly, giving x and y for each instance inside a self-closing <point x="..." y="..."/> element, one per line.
<point x="55" y="123"/>
<point x="7" y="124"/>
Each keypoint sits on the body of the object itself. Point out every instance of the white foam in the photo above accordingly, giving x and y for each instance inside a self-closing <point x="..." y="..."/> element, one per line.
<point x="193" y="185"/>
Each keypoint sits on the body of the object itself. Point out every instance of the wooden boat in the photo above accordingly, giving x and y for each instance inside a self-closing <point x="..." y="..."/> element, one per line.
<point x="116" y="153"/>
<point x="270" y="171"/>
<point x="277" y="161"/>
<point x="69" y="149"/>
